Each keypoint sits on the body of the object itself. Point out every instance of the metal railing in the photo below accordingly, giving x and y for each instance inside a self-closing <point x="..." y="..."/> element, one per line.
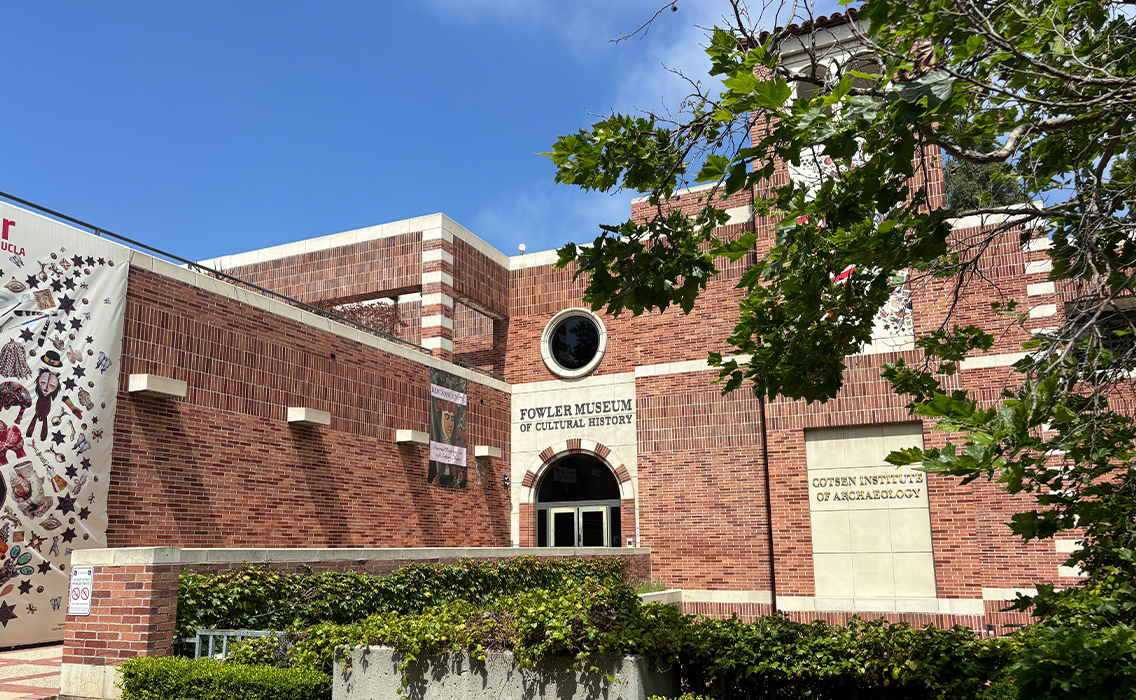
<point x="475" y="368"/>
<point x="224" y="635"/>
<point x="98" y="231"/>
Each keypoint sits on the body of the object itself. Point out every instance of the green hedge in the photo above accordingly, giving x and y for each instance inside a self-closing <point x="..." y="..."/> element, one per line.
<point x="175" y="678"/>
<point x="257" y="598"/>
<point x="772" y="657"/>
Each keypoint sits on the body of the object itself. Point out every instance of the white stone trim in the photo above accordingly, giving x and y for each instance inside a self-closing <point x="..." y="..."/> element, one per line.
<point x="1043" y="311"/>
<point x="931" y="606"/>
<point x="279" y="308"/>
<point x="980" y="220"/>
<point x="437" y="298"/>
<point x="739" y="215"/>
<point x="1070" y="572"/>
<point x="539" y="259"/>
<point x="433" y="321"/>
<point x="438" y="343"/>
<point x="1067" y="546"/>
<point x="670" y="596"/>
<point x="1037" y="267"/>
<point x="301" y="415"/>
<point x="335" y="240"/>
<point x="1002" y="594"/>
<point x="704" y="596"/>
<point x="679" y="193"/>
<point x="685" y="367"/>
<point x="986" y="361"/>
<point x="176" y="555"/>
<point x="1036" y="245"/>
<point x="417" y="437"/>
<point x="436" y="277"/>
<point x="156" y="387"/>
<point x="487" y="451"/>
<point x="437" y="255"/>
<point x="432" y="226"/>
<point x="438" y="233"/>
<point x="627" y="490"/>
<point x="555" y="384"/>
<point x="89" y="681"/>
<point x="546" y="337"/>
<point x="1041" y="288"/>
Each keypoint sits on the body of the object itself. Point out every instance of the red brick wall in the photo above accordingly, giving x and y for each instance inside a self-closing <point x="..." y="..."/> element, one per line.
<point x="701" y="483"/>
<point x="379" y="267"/>
<point x="479" y="278"/>
<point x="539" y="293"/>
<point x="222" y="467"/>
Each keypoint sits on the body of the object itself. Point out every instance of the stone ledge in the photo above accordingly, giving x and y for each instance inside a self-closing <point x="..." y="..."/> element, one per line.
<point x="156" y="387"/>
<point x="373" y="673"/>
<point x="175" y="556"/>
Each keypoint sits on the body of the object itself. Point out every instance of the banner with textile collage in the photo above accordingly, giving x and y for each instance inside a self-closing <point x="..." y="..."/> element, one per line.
<point x="62" y="303"/>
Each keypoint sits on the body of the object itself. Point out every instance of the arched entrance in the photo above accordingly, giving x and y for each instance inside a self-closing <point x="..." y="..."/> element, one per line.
<point x="577" y="504"/>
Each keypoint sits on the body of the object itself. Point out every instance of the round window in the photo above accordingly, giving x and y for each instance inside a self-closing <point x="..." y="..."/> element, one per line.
<point x="574" y="342"/>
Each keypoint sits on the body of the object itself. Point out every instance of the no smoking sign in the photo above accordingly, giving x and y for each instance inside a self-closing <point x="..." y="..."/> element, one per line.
<point x="79" y="595"/>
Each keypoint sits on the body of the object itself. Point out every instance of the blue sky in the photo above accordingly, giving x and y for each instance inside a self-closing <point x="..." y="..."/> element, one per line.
<point x="208" y="128"/>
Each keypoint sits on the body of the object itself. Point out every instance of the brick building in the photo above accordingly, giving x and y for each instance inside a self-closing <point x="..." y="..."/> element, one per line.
<point x="243" y="421"/>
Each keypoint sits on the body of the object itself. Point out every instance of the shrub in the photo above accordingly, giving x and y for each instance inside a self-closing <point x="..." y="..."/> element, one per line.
<point x="174" y="678"/>
<point x="258" y="598"/>
<point x="1089" y="664"/>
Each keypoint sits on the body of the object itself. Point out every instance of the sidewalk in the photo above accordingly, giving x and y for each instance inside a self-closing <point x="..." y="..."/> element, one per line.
<point x="30" y="674"/>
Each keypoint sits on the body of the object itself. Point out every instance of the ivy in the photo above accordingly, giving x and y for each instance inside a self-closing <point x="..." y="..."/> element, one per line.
<point x="259" y="598"/>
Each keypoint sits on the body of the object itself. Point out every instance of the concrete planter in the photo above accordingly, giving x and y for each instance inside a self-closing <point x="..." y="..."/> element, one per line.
<point x="373" y="673"/>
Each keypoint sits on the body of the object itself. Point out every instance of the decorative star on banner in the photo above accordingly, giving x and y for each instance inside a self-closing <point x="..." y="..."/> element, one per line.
<point x="56" y="286"/>
<point x="66" y="505"/>
<point x="69" y="534"/>
<point x="78" y="260"/>
<point x="57" y="437"/>
<point x="90" y="261"/>
<point x="69" y="283"/>
<point x="79" y="371"/>
<point x="102" y="262"/>
<point x="60" y="327"/>
<point x="69" y="384"/>
<point x="76" y="324"/>
<point x="89" y="340"/>
<point x="44" y="567"/>
<point x="71" y="471"/>
<point x="26" y="334"/>
<point x="7" y="613"/>
<point x="84" y="512"/>
<point x="66" y="305"/>
<point x="25" y="587"/>
<point x="33" y="282"/>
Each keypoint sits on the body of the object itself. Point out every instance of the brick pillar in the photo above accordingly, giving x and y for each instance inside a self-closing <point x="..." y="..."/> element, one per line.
<point x="133" y="613"/>
<point x="438" y="292"/>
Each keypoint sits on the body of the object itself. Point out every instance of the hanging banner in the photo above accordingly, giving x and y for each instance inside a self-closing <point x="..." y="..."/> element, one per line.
<point x="447" y="429"/>
<point x="62" y="302"/>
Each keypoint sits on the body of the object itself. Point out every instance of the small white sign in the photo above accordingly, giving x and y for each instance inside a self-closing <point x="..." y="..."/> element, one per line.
<point x="79" y="596"/>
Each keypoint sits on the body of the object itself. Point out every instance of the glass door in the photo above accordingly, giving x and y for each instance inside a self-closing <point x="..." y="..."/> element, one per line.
<point x="593" y="526"/>
<point x="563" y="526"/>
